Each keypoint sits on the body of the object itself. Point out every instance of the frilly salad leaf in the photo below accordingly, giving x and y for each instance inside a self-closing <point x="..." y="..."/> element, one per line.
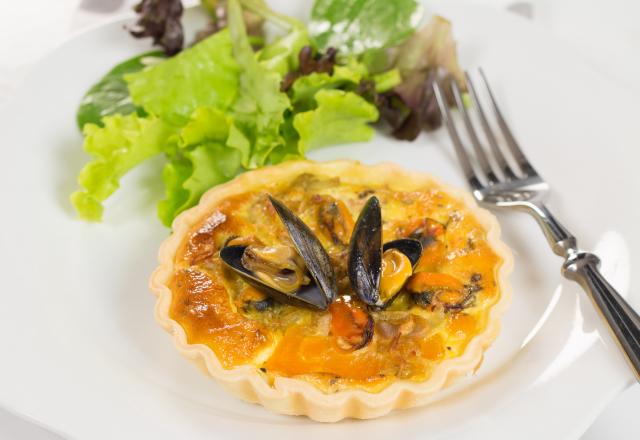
<point x="204" y="75"/>
<point x="305" y="87"/>
<point x="340" y="117"/>
<point x="211" y="150"/>
<point x="123" y="143"/>
<point x="207" y="124"/>
<point x="357" y="26"/>
<point x="176" y="171"/>
<point x="191" y="173"/>
<point x="111" y="95"/>
<point x="260" y="106"/>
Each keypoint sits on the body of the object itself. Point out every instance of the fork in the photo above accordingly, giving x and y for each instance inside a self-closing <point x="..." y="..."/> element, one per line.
<point x="496" y="183"/>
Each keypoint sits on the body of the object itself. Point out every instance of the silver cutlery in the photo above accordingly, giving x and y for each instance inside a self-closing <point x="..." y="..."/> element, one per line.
<point x="496" y="183"/>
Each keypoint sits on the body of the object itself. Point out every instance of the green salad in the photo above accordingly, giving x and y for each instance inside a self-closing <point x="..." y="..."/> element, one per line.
<point x="236" y="99"/>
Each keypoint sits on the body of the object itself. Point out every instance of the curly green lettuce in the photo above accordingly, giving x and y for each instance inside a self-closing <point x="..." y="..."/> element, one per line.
<point x="340" y="117"/>
<point x="192" y="173"/>
<point x="210" y="150"/>
<point x="260" y="106"/>
<point x="305" y="87"/>
<point x="205" y="75"/>
<point x="124" y="142"/>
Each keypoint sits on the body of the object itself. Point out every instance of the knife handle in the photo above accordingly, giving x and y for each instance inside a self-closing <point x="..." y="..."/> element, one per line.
<point x="624" y="322"/>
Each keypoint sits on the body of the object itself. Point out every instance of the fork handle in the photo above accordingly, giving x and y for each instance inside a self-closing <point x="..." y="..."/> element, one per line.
<point x="559" y="237"/>
<point x="583" y="267"/>
<point x="624" y="322"/>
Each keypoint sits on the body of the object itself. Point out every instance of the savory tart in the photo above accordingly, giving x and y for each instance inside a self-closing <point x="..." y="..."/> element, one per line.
<point x="333" y="289"/>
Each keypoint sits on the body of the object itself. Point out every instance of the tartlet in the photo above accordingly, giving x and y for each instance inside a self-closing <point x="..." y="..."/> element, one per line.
<point x="351" y="355"/>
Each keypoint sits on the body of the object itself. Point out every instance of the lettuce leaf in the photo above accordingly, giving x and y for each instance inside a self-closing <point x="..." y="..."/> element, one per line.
<point x="192" y="173"/>
<point x="210" y="150"/>
<point x="207" y="124"/>
<point x="305" y="87"/>
<point x="259" y="109"/>
<point x="110" y="95"/>
<point x="204" y="75"/>
<point x="340" y="117"/>
<point x="176" y="171"/>
<point x="357" y="26"/>
<point x="281" y="56"/>
<point x="123" y="143"/>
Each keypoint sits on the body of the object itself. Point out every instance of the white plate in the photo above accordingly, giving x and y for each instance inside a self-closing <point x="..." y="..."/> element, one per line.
<point x="82" y="355"/>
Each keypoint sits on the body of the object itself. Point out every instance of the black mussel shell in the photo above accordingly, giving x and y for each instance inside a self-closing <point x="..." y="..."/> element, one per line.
<point x="365" y="253"/>
<point x="310" y="249"/>
<point x="411" y="247"/>
<point x="309" y="296"/>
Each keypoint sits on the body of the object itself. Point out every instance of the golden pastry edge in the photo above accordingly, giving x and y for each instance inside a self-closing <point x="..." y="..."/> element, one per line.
<point x="295" y="396"/>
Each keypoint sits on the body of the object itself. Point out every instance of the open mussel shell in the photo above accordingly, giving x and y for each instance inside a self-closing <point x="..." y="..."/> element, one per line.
<point x="310" y="296"/>
<point x="411" y="247"/>
<point x="310" y="249"/>
<point x="366" y="251"/>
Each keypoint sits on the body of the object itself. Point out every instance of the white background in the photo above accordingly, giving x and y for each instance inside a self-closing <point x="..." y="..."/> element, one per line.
<point x="605" y="34"/>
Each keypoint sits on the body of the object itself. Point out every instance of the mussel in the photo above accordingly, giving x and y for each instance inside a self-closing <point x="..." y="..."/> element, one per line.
<point x="334" y="219"/>
<point x="378" y="273"/>
<point x="280" y="271"/>
<point x="431" y="235"/>
<point x="351" y="325"/>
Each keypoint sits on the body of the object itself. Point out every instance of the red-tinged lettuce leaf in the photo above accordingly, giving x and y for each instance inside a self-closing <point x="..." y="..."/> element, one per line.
<point x="160" y="20"/>
<point x="431" y="47"/>
<point x="429" y="54"/>
<point x="310" y="62"/>
<point x="410" y="107"/>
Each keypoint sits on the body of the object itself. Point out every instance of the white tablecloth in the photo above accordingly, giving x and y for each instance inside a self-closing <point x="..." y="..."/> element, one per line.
<point x="606" y="34"/>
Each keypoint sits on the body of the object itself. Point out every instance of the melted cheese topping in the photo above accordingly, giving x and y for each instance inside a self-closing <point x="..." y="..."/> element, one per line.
<point x="212" y="303"/>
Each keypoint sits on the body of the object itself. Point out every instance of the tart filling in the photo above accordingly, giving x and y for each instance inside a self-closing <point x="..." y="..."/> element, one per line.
<point x="410" y="276"/>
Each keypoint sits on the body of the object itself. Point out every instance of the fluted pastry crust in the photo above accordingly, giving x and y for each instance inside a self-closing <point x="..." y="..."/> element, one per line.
<point x="296" y="396"/>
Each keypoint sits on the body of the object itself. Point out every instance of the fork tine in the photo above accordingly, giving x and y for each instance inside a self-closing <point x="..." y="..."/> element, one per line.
<point x="475" y="142"/>
<point x="522" y="161"/>
<point x="463" y="158"/>
<point x="497" y="153"/>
